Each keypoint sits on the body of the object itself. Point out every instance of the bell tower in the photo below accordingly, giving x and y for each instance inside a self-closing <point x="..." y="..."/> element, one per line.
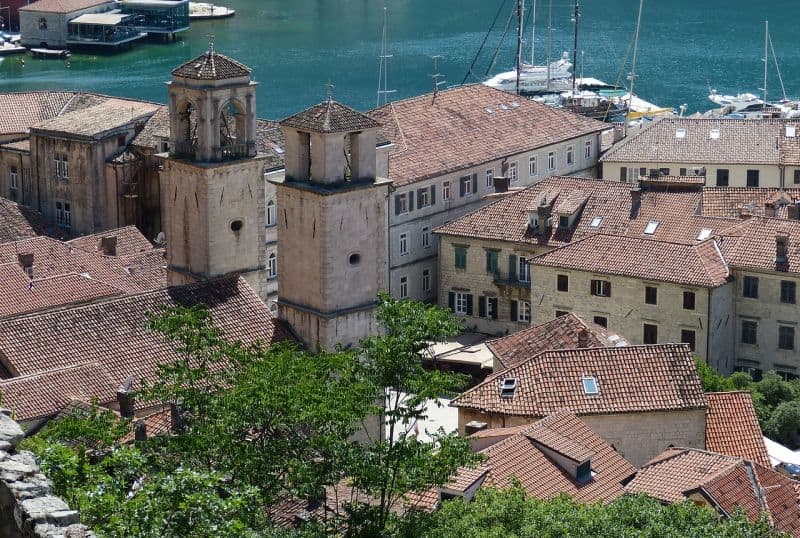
<point x="212" y="187"/>
<point x="332" y="226"/>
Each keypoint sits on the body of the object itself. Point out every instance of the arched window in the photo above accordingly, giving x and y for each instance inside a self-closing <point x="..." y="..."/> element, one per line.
<point x="271" y="215"/>
<point x="272" y="266"/>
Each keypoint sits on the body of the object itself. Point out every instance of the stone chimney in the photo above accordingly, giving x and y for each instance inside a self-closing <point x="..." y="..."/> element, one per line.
<point x="583" y="339"/>
<point x="26" y="262"/>
<point x="140" y="431"/>
<point x="769" y="209"/>
<point x="636" y="202"/>
<point x="125" y="398"/>
<point x="108" y="245"/>
<point x="793" y="211"/>
<point x="543" y="212"/>
<point x="781" y="247"/>
<point x="500" y="184"/>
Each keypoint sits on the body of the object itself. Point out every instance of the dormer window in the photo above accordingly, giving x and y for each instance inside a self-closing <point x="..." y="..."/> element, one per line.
<point x="563" y="222"/>
<point x="590" y="387"/>
<point x="508" y="387"/>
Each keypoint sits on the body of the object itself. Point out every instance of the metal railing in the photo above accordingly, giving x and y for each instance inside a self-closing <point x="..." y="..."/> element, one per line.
<point x="502" y="279"/>
<point x="229" y="152"/>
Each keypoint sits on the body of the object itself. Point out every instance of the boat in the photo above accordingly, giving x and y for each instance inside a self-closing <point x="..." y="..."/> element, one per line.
<point x="7" y="48"/>
<point x="51" y="53"/>
<point x="735" y="103"/>
<point x="203" y="10"/>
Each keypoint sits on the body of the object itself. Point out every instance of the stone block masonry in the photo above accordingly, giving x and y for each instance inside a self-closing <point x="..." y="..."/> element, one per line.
<point x="28" y="508"/>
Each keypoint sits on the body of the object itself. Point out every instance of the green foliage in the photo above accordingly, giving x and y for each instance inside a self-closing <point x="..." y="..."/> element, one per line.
<point x="510" y="514"/>
<point x="784" y="421"/>
<point x="713" y="381"/>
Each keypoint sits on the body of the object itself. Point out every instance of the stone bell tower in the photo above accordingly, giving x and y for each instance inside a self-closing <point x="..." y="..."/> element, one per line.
<point x="332" y="226"/>
<point x="212" y="187"/>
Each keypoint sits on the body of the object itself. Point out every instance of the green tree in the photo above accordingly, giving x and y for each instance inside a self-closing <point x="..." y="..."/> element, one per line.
<point x="784" y="422"/>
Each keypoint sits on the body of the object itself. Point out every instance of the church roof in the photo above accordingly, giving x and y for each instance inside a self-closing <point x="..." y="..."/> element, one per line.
<point x="211" y="66"/>
<point x="330" y="117"/>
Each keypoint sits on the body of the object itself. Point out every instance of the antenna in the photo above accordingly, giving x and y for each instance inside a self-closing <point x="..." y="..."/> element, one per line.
<point x="435" y="76"/>
<point x="210" y="42"/>
<point x="383" y="64"/>
<point x="330" y="86"/>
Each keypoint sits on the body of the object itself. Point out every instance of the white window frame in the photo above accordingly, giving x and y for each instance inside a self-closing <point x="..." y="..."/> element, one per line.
<point x="587" y="149"/>
<point x="524" y="311"/>
<point x="467" y="184"/>
<point x="272" y="214"/>
<point x="532" y="166"/>
<point x="403" y="197"/>
<point x="490" y="177"/>
<point x="59" y="212"/>
<point x="13" y="177"/>
<point x="426" y="237"/>
<point x="63" y="214"/>
<point x="423" y="198"/>
<point x="551" y="160"/>
<point x="446" y="190"/>
<point x="513" y="175"/>
<point x="489" y="308"/>
<point x="524" y="270"/>
<point x="426" y="280"/>
<point x="403" y="244"/>
<point x="272" y="265"/>
<point x="570" y="159"/>
<point x="460" y="304"/>
<point x="403" y="287"/>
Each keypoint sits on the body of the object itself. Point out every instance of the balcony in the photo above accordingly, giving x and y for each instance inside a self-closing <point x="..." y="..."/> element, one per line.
<point x="231" y="152"/>
<point x="504" y="279"/>
<point x="108" y="29"/>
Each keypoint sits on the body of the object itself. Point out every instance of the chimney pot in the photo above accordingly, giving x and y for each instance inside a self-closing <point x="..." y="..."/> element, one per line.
<point x="125" y="398"/>
<point x="108" y="245"/>
<point x="583" y="338"/>
<point x="140" y="431"/>
<point x="781" y="248"/>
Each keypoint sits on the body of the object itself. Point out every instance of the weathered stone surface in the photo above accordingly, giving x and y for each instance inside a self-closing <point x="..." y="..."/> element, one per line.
<point x="10" y="432"/>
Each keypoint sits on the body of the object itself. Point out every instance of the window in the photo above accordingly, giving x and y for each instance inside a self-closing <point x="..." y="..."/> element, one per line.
<point x="562" y="283"/>
<point x="423" y="200"/>
<point x="121" y="141"/>
<point x="755" y="373"/>
<point x="796" y="177"/>
<point x="355" y="259"/>
<point x="42" y="23"/>
<point x="61" y="166"/>
<point x="785" y="337"/>
<point x="490" y="177"/>
<point x="272" y="266"/>
<point x="601" y="320"/>
<point x="271" y="214"/>
<point x="551" y="160"/>
<point x="601" y="288"/>
<point x="788" y="289"/>
<point x="400" y="204"/>
<point x="461" y="257"/>
<point x="651" y="295"/>
<point x="570" y="155"/>
<point x="512" y="172"/>
<point x="563" y="222"/>
<point x="446" y="190"/>
<point x="663" y="171"/>
<point x="688" y="337"/>
<point x="749" y="332"/>
<point x="786" y="376"/>
<point x="403" y="287"/>
<point x="491" y="261"/>
<point x="688" y="300"/>
<point x="403" y="244"/>
<point x="524" y="270"/>
<point x="722" y="177"/>
<point x="650" y="335"/>
<point x="426" y="237"/>
<point x="587" y="149"/>
<point x="752" y="178"/>
<point x="67" y="216"/>
<point x="461" y="303"/>
<point x="426" y="280"/>
<point x="532" y="166"/>
<point x="596" y="222"/>
<point x="63" y="214"/>
<point x="750" y="287"/>
<point x="487" y="307"/>
<point x="524" y="312"/>
<point x="590" y="385"/>
<point x="651" y="227"/>
<point x="468" y="186"/>
<point x="13" y="177"/>
<point x="236" y="225"/>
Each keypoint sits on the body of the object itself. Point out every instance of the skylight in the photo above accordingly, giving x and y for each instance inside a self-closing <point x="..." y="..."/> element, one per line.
<point x="596" y="222"/>
<point x="590" y="385"/>
<point x="651" y="227"/>
<point x="704" y="234"/>
<point x="791" y="131"/>
<point x="507" y="387"/>
<point x="680" y="132"/>
<point x="714" y="134"/>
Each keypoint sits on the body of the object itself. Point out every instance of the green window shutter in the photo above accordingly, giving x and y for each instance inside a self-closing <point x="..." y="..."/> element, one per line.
<point x="474" y="183"/>
<point x="489" y="261"/>
<point x="623" y="173"/>
<point x="396" y="204"/>
<point x="512" y="267"/>
<point x="481" y="306"/>
<point x="493" y="302"/>
<point x="469" y="304"/>
<point x="433" y="194"/>
<point x="513" y="310"/>
<point x="461" y="258"/>
<point x="411" y="200"/>
<point x="462" y="186"/>
<point x="451" y="301"/>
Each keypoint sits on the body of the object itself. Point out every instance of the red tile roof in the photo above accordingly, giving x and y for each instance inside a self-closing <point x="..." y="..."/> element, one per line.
<point x="635" y="257"/>
<point x="62" y="6"/>
<point x="630" y="379"/>
<point x="212" y="65"/>
<point x="728" y="483"/>
<point x="129" y="241"/>
<point x="755" y="247"/>
<point x="731" y="202"/>
<point x="560" y="333"/>
<point x="470" y="125"/>
<point x="330" y="117"/>
<point x="732" y="427"/>
<point x="23" y="109"/>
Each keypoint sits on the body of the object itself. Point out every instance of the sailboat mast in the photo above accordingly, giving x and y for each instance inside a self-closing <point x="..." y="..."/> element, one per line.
<point x="575" y="47"/>
<point x="519" y="41"/>
<point x="766" y="57"/>
<point x="549" y="39"/>
<point x="632" y="75"/>
<point x="533" y="34"/>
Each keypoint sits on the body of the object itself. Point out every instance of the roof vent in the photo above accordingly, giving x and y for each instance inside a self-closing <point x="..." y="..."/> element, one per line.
<point x="651" y="227"/>
<point x="680" y="132"/>
<point x="590" y="385"/>
<point x="508" y="387"/>
<point x="791" y="131"/>
<point x="713" y="134"/>
<point x="704" y="234"/>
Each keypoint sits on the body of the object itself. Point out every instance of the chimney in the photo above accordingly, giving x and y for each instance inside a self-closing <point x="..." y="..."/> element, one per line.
<point x="474" y="426"/>
<point x="140" y="431"/>
<point x="583" y="339"/>
<point x="125" y="398"/>
<point x="543" y="212"/>
<point x="176" y="416"/>
<point x="108" y="245"/>
<point x="793" y="211"/>
<point x="781" y="247"/>
<point x="26" y="262"/>
<point x="769" y="209"/>
<point x="500" y="184"/>
<point x="636" y="202"/>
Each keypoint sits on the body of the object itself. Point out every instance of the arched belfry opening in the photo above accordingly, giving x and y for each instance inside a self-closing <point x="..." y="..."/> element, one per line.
<point x="212" y="109"/>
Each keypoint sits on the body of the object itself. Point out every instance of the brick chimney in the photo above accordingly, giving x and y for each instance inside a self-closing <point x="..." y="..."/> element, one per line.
<point x="26" y="262"/>
<point x="108" y="245"/>
<point x="125" y="398"/>
<point x="500" y="184"/>
<point x="583" y="338"/>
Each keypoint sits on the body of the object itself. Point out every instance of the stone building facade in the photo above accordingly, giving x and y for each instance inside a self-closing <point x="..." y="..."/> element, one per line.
<point x="44" y="23"/>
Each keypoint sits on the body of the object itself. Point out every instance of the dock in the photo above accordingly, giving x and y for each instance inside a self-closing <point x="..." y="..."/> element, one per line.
<point x="202" y="10"/>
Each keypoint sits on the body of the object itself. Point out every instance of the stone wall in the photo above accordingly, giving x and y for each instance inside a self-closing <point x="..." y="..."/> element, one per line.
<point x="28" y="508"/>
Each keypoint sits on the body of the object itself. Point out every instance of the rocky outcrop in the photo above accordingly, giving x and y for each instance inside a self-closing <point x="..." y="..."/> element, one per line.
<point x="28" y="508"/>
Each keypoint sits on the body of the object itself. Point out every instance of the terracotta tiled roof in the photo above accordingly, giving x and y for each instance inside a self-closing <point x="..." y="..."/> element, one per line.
<point x="269" y="137"/>
<point x="330" y="117"/>
<point x="94" y="121"/>
<point x="790" y="145"/>
<point x="560" y="333"/>
<point x="22" y="295"/>
<point x="211" y="65"/>
<point x="629" y="379"/>
<point x="61" y="6"/>
<point x="467" y="126"/>
<point x="129" y="241"/>
<point x="15" y="221"/>
<point x="755" y="248"/>
<point x="727" y="483"/>
<point x="23" y="109"/>
<point x="23" y="146"/>
<point x="154" y="131"/>
<point x="521" y="456"/>
<point x="635" y="257"/>
<point x="738" y="142"/>
<point x="732" y="202"/>
<point x="673" y="181"/>
<point x="732" y="427"/>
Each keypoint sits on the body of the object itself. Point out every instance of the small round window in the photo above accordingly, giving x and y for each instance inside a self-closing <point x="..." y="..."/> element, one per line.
<point x="236" y="225"/>
<point x="355" y="259"/>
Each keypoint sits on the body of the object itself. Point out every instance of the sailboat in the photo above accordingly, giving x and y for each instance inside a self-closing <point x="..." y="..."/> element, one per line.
<point x="529" y="78"/>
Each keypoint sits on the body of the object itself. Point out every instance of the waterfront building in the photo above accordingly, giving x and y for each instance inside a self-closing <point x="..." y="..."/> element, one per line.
<point x="727" y="152"/>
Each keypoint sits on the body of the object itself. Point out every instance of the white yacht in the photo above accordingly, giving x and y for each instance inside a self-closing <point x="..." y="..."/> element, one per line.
<point x="735" y="102"/>
<point x="533" y="78"/>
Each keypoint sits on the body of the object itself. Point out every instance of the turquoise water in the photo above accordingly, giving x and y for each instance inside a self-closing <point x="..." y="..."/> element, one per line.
<point x="296" y="46"/>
